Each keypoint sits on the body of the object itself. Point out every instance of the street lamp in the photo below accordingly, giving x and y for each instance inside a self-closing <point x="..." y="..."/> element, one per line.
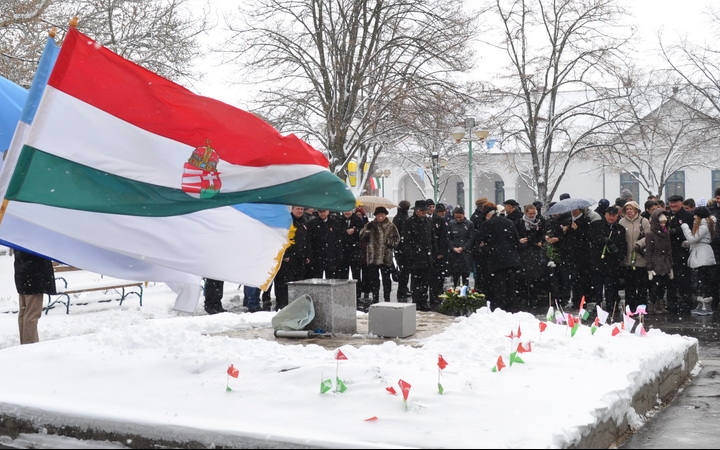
<point x="382" y="174"/>
<point x="437" y="163"/>
<point x="458" y="133"/>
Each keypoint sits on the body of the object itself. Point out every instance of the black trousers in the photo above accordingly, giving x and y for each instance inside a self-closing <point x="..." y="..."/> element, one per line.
<point x="213" y="291"/>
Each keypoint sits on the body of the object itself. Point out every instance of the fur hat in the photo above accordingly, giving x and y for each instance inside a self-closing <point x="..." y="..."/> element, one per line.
<point x="420" y="205"/>
<point x="380" y="210"/>
<point x="702" y="212"/>
<point x="404" y="204"/>
<point x="564" y="196"/>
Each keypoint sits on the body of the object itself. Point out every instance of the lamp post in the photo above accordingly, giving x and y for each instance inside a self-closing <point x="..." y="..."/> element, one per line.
<point x="458" y="133"/>
<point x="382" y="174"/>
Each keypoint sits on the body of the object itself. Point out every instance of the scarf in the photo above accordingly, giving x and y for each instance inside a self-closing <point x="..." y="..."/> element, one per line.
<point x="531" y="224"/>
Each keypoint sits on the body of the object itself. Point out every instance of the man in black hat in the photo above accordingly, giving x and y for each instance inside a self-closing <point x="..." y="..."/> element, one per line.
<point x="679" y="293"/>
<point x="609" y="247"/>
<point x="439" y="268"/>
<point x="420" y="250"/>
<point x="512" y="210"/>
<point x="403" y="276"/>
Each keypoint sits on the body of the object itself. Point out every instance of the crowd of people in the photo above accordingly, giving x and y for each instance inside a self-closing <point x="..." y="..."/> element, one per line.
<point x="663" y="256"/>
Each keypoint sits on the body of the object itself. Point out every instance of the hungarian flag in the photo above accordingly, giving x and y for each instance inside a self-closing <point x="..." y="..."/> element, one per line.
<point x="339" y="385"/>
<point x="640" y="330"/>
<point x="595" y="325"/>
<point x="521" y="349"/>
<point x="114" y="152"/>
<point x="500" y="365"/>
<point x="405" y="388"/>
<point x="543" y="326"/>
<point x="582" y="312"/>
<point x="616" y="331"/>
<point x="325" y="385"/>
<point x="514" y="358"/>
<point x="602" y="315"/>
<point x="340" y="355"/>
<point x="233" y="371"/>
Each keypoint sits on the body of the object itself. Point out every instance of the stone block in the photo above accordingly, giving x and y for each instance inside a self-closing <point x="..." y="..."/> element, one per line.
<point x="334" y="301"/>
<point x="390" y="319"/>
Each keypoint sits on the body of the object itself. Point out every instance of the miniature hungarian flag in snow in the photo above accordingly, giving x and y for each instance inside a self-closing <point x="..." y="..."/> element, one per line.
<point x="616" y="330"/>
<point x="340" y="386"/>
<point x="543" y="326"/>
<point x="391" y="390"/>
<point x="127" y="161"/>
<point x="521" y="349"/>
<point x="582" y="313"/>
<point x="325" y="385"/>
<point x="514" y="358"/>
<point x="560" y="317"/>
<point x="441" y="362"/>
<point x="641" y="310"/>
<point x="602" y="315"/>
<point x="628" y="311"/>
<point x="595" y="325"/>
<point x="500" y="365"/>
<point x="640" y="330"/>
<point x="340" y="355"/>
<point x="628" y="323"/>
<point x="233" y="371"/>
<point x="405" y="388"/>
<point x="550" y="317"/>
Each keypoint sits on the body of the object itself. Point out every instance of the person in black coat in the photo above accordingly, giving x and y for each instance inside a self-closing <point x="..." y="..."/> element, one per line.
<point x="577" y="252"/>
<point x="532" y="274"/>
<point x="403" y="275"/>
<point x="609" y="248"/>
<point x="295" y="258"/>
<point x="419" y="249"/>
<point x="680" y="289"/>
<point x="439" y="267"/>
<point x="325" y="245"/>
<point x="352" y="252"/>
<point x="499" y="237"/>
<point x="34" y="277"/>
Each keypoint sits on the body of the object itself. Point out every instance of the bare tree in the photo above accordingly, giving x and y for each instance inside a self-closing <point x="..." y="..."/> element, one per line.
<point x="659" y="129"/>
<point x="353" y="76"/>
<point x="698" y="64"/>
<point x="551" y="106"/>
<point x="160" y="35"/>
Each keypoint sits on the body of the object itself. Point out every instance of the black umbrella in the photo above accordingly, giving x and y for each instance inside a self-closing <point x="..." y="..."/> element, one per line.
<point x="569" y="204"/>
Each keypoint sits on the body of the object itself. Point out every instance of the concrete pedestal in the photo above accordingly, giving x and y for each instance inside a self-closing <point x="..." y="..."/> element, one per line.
<point x="386" y="319"/>
<point x="334" y="301"/>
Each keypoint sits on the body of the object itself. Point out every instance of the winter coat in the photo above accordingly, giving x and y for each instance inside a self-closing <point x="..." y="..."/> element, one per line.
<point x="351" y="250"/>
<point x="400" y="217"/>
<point x="658" y="249"/>
<point x="325" y="243"/>
<point x="701" y="253"/>
<point x="440" y="228"/>
<point x="608" y="240"/>
<point x="675" y="220"/>
<point x="501" y="243"/>
<point x="382" y="238"/>
<point x="418" y="244"/>
<point x="33" y="274"/>
<point x="575" y="244"/>
<point x="297" y="252"/>
<point x="461" y="234"/>
<point x="532" y="256"/>
<point x="635" y="232"/>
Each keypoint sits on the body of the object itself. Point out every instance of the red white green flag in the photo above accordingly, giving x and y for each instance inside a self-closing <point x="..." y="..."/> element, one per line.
<point x="500" y="365"/>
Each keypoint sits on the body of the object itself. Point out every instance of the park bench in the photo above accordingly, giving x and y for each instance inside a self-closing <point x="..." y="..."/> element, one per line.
<point x="120" y="288"/>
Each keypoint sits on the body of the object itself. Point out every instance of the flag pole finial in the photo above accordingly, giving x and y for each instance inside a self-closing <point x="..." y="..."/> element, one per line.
<point x="53" y="32"/>
<point x="74" y="21"/>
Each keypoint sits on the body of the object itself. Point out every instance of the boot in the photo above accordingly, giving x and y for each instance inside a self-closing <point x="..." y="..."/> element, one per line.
<point x="704" y="307"/>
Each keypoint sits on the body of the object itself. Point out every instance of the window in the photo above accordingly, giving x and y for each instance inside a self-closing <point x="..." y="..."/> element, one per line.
<point x="675" y="184"/>
<point x="715" y="180"/>
<point x="630" y="182"/>
<point x="499" y="192"/>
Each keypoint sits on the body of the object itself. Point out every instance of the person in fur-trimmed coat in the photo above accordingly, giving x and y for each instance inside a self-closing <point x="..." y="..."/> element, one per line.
<point x="382" y="237"/>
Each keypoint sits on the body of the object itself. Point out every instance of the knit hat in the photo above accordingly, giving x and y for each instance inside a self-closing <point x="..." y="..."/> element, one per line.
<point x="702" y="212"/>
<point x="604" y="203"/>
<point x="380" y="210"/>
<point x="429" y="202"/>
<point x="404" y="204"/>
<point x="626" y="194"/>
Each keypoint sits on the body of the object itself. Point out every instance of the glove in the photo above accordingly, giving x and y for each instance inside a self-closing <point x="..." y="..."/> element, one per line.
<point x="651" y="274"/>
<point x="672" y="275"/>
<point x="685" y="244"/>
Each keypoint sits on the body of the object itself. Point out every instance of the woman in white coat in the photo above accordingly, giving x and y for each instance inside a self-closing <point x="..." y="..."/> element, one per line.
<point x="702" y="257"/>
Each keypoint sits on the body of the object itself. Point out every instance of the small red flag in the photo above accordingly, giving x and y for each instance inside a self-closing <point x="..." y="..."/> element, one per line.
<point x="340" y="355"/>
<point x="543" y="325"/>
<point x="233" y="372"/>
<point x="511" y="335"/>
<point x="371" y="419"/>
<point x="441" y="362"/>
<point x="405" y="387"/>
<point x="500" y="364"/>
<point x="391" y="390"/>
<point x="615" y="331"/>
<point x="519" y="332"/>
<point x="522" y="349"/>
<point x="570" y="321"/>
